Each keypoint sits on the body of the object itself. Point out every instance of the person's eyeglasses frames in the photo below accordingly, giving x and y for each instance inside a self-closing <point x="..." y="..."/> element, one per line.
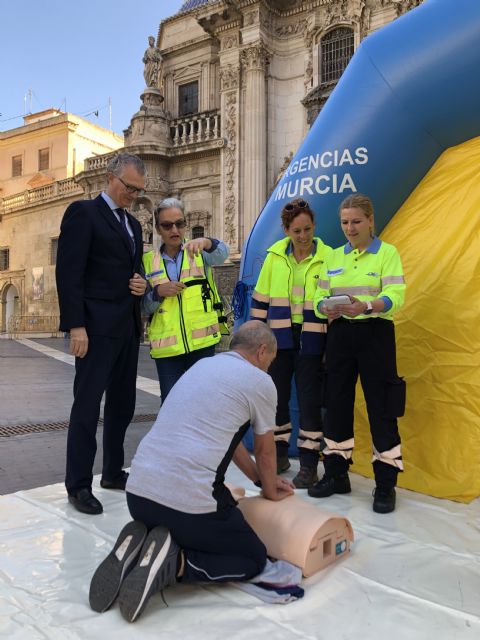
<point x="166" y="226"/>
<point x="131" y="188"/>
<point x="301" y="204"/>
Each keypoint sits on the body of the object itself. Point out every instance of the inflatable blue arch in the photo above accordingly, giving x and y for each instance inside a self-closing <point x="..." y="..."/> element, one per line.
<point x="410" y="92"/>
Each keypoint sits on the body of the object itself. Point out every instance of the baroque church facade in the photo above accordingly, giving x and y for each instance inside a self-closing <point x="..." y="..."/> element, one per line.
<point x="232" y="88"/>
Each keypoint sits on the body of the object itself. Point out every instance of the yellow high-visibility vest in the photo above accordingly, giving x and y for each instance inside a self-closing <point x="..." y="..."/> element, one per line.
<point x="189" y="321"/>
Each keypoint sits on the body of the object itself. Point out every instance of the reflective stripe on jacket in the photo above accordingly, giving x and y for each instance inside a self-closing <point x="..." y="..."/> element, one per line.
<point x="274" y="298"/>
<point x="188" y="321"/>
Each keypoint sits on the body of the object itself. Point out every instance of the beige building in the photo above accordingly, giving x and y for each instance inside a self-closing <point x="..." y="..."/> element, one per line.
<point x="232" y="87"/>
<point x="38" y="165"/>
<point x="238" y="86"/>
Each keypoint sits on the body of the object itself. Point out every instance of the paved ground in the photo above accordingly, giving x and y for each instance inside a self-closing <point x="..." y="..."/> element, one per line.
<point x="36" y="394"/>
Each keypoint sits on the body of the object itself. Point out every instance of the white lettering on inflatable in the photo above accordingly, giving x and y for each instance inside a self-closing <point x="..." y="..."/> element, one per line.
<point x="303" y="165"/>
<point x="346" y="157"/>
<point x="291" y="193"/>
<point x="324" y="162"/>
<point x="293" y="168"/>
<point x="306" y="186"/>
<point x="326" y="159"/>
<point x="361" y="155"/>
<point x="318" y="189"/>
<point x="347" y="183"/>
<point x="313" y="162"/>
<point x="323" y="184"/>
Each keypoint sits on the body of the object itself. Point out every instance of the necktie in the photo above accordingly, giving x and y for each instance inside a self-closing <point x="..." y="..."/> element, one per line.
<point x="123" y="221"/>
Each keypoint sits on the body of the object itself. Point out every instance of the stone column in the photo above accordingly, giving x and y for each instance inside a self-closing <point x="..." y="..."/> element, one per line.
<point x="255" y="61"/>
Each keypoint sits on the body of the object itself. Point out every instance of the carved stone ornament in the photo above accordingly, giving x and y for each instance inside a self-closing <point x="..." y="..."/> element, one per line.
<point x="307" y="81"/>
<point x="230" y="77"/>
<point x="286" y="161"/>
<point x="154" y="183"/>
<point x="343" y="11"/>
<point x="229" y="42"/>
<point x="145" y="218"/>
<point x="402" y="6"/>
<point x="256" y="57"/>
<point x="230" y="163"/>
<point x="291" y="29"/>
<point x="200" y="218"/>
<point x="250" y="18"/>
<point x="152" y="97"/>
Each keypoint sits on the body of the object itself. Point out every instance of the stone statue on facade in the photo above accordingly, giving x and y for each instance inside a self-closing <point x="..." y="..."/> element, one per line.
<point x="152" y="59"/>
<point x="145" y="217"/>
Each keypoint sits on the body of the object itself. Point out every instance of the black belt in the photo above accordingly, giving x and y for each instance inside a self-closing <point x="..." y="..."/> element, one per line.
<point x="354" y="320"/>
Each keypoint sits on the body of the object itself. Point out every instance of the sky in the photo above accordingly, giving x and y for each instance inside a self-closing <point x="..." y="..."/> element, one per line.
<point x="76" y="55"/>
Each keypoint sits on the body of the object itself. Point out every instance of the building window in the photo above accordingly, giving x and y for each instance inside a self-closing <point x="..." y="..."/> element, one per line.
<point x="16" y="166"/>
<point x="43" y="159"/>
<point x="53" y="250"/>
<point x="336" y="49"/>
<point x="4" y="259"/>
<point x="188" y="98"/>
<point x="198" y="232"/>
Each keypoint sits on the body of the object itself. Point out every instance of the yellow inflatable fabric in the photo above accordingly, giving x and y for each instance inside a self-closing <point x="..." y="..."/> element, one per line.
<point x="437" y="233"/>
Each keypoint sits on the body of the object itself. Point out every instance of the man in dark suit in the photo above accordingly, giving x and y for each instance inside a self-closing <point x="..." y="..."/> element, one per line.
<point x="99" y="291"/>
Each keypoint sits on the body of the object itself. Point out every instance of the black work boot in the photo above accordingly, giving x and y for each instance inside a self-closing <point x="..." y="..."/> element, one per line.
<point x="329" y="485"/>
<point x="384" y="499"/>
<point x="283" y="463"/>
<point x="305" y="478"/>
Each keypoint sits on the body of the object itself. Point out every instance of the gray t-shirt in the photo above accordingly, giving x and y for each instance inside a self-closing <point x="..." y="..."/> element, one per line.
<point x="183" y="457"/>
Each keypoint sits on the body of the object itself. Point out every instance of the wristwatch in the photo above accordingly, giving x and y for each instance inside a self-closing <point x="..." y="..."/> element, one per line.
<point x="369" y="309"/>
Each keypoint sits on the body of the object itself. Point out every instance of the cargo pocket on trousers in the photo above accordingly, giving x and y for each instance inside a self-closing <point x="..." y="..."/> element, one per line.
<point x="396" y="396"/>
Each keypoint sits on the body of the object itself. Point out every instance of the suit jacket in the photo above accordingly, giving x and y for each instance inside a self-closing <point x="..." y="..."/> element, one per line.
<point x="94" y="265"/>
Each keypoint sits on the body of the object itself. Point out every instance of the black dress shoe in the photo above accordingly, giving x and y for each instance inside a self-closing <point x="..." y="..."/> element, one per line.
<point x="329" y="485"/>
<point x="384" y="500"/>
<point x="85" y="502"/>
<point x="117" y="483"/>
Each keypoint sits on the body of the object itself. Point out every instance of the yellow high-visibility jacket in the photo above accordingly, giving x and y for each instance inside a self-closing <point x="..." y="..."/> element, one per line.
<point x="275" y="298"/>
<point x="374" y="273"/>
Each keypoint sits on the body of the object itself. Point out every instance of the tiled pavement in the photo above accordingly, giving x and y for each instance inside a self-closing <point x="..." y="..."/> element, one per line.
<point x="36" y="389"/>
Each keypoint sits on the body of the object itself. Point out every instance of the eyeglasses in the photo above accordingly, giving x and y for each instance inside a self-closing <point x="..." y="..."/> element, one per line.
<point x="131" y="188"/>
<point x="301" y="204"/>
<point x="166" y="226"/>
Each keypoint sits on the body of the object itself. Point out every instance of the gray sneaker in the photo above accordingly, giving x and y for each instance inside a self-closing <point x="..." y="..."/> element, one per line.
<point x="156" y="569"/>
<point x="108" y="577"/>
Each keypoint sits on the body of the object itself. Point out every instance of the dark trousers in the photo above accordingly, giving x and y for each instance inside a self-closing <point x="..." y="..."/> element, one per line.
<point x="169" y="370"/>
<point x="309" y="374"/>
<point x="110" y="366"/>
<point x="218" y="547"/>
<point x="366" y="349"/>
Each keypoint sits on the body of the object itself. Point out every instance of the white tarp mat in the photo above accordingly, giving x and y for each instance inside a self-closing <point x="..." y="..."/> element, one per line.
<point x="412" y="574"/>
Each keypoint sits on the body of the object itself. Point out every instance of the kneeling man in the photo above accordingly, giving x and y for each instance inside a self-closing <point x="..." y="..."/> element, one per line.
<point x="186" y="524"/>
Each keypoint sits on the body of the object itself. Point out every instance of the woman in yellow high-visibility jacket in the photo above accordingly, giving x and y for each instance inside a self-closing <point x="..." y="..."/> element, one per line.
<point x="186" y="314"/>
<point x="361" y="341"/>
<point x="283" y="298"/>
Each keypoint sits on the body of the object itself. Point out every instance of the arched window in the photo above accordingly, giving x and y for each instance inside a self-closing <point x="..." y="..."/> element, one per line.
<point x="336" y="49"/>
<point x="198" y="232"/>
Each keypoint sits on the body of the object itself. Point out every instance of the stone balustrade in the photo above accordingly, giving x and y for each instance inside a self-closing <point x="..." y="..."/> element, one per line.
<point x="98" y="162"/>
<point x="57" y="189"/>
<point x="195" y="128"/>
